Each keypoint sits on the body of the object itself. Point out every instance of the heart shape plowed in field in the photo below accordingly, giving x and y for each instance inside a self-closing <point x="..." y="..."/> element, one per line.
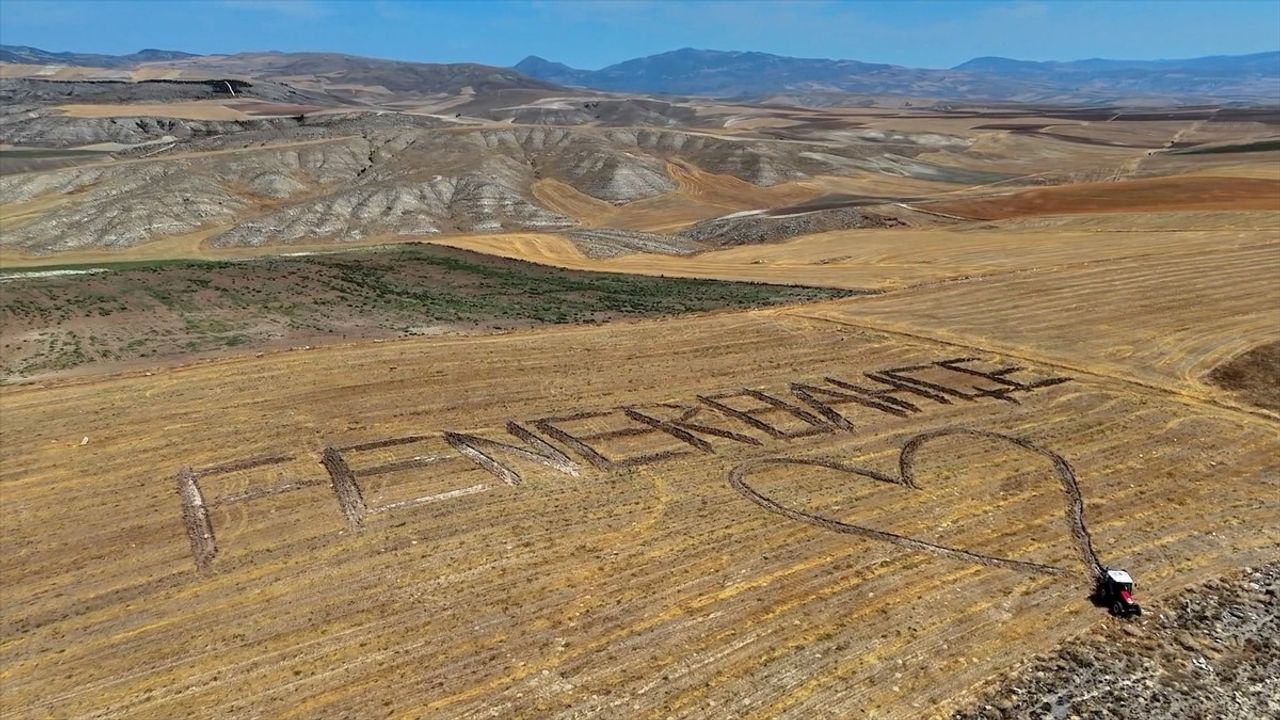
<point x="906" y="484"/>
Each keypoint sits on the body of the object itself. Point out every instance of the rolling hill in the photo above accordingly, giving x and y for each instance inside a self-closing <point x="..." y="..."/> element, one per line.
<point x="35" y="56"/>
<point x="303" y="69"/>
<point x="393" y="75"/>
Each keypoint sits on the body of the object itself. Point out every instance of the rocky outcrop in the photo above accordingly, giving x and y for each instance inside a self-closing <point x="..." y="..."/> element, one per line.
<point x="1212" y="652"/>
<point x="758" y="228"/>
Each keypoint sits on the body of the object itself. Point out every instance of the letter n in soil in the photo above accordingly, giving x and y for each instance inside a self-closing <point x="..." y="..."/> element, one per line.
<point x="481" y="450"/>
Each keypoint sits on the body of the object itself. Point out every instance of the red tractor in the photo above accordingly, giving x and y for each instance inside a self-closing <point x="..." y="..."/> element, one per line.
<point x="1115" y="590"/>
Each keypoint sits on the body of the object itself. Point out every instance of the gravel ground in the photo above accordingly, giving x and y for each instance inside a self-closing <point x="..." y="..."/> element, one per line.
<point x="764" y="228"/>
<point x="1211" y="652"/>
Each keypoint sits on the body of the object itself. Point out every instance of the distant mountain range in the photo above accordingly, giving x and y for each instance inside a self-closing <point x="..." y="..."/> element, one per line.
<point x="1267" y="63"/>
<point x="394" y="75"/>
<point x="755" y="75"/>
<point x="35" y="56"/>
<point x="305" y="68"/>
<point x="713" y="72"/>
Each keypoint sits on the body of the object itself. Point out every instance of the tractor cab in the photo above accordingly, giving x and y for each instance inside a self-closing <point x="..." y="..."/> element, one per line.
<point x="1115" y="590"/>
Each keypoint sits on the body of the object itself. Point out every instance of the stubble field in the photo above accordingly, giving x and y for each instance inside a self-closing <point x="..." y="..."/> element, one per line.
<point x="628" y="575"/>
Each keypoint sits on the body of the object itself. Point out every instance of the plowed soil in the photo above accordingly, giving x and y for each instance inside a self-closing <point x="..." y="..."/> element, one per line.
<point x="1254" y="375"/>
<point x="1215" y="653"/>
<point x="1169" y="194"/>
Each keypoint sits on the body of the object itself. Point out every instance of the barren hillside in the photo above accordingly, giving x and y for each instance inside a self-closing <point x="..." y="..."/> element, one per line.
<point x="245" y="174"/>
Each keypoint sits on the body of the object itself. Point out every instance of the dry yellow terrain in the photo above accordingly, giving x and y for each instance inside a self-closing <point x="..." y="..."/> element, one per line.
<point x="61" y="72"/>
<point x="1175" y="314"/>
<point x="1222" y="167"/>
<point x="630" y="576"/>
<point x="700" y="195"/>
<point x="194" y="110"/>
<point x="880" y="259"/>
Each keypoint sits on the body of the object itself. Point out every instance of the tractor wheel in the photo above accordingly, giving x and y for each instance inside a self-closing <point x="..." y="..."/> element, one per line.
<point x="1137" y="610"/>
<point x="1117" y="609"/>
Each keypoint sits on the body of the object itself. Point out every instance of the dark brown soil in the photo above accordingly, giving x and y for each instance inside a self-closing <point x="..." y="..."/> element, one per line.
<point x="1251" y="146"/>
<point x="1171" y="194"/>
<point x="1038" y="129"/>
<point x="1253" y="375"/>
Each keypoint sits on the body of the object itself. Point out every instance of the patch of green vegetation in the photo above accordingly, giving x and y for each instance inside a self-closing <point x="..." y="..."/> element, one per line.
<point x="170" y="308"/>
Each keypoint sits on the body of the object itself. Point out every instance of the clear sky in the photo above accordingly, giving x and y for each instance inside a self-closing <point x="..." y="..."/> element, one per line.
<point x="593" y="34"/>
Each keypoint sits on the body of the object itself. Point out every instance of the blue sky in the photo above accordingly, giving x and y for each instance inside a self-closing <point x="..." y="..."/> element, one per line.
<point x="594" y="34"/>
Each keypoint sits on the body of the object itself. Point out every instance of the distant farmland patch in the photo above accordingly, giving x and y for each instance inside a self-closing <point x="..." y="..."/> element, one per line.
<point x="1243" y="147"/>
<point x="1254" y="374"/>
<point x="1169" y="194"/>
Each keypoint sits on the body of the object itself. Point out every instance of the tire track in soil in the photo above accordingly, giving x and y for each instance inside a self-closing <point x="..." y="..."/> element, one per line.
<point x="906" y="478"/>
<point x="1066" y="475"/>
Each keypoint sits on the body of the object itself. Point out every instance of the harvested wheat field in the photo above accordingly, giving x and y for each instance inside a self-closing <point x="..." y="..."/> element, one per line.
<point x="187" y="111"/>
<point x="898" y="258"/>
<point x="864" y="507"/>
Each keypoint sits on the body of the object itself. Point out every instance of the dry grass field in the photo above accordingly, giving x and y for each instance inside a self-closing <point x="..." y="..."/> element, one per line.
<point x="700" y="196"/>
<point x="898" y="258"/>
<point x="197" y="110"/>
<point x="642" y="583"/>
<point x="872" y="506"/>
